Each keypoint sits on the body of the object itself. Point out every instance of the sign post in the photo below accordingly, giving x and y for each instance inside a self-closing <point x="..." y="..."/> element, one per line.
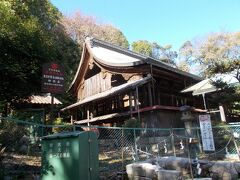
<point x="206" y="132"/>
<point x="52" y="81"/>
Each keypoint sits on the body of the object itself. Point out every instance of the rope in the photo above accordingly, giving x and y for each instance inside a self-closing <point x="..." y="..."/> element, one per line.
<point x="215" y="151"/>
<point x="222" y="148"/>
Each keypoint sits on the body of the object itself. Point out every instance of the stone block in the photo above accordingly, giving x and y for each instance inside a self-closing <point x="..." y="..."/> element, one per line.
<point x="138" y="178"/>
<point x="224" y="171"/>
<point x="169" y="174"/>
<point x="142" y="169"/>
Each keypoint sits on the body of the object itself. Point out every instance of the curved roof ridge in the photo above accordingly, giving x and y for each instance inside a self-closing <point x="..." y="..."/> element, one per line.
<point x="91" y="42"/>
<point x="123" y="50"/>
<point x="147" y="59"/>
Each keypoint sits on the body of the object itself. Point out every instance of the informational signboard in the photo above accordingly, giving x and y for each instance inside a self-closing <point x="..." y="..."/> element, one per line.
<point x="52" y="78"/>
<point x="206" y="132"/>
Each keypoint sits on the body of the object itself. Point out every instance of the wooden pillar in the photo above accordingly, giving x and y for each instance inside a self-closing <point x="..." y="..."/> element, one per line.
<point x="153" y="92"/>
<point x="120" y="102"/>
<point x="204" y="101"/>
<point x="137" y="103"/>
<point x="159" y="93"/>
<point x="153" y="87"/>
<point x="52" y="109"/>
<point x="75" y="112"/>
<point x="88" y="117"/>
<point x="130" y="103"/>
<point x="222" y="114"/>
<point x="150" y="95"/>
<point x="135" y="100"/>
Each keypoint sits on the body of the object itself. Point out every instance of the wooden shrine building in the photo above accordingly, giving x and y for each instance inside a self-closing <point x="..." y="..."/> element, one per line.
<point x="113" y="84"/>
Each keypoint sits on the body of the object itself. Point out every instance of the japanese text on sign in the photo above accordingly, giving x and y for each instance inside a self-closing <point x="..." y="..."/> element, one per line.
<point x="52" y="78"/>
<point x="206" y="132"/>
<point x="62" y="150"/>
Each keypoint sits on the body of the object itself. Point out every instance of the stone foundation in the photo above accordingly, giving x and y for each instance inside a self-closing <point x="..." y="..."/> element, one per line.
<point x="175" y="168"/>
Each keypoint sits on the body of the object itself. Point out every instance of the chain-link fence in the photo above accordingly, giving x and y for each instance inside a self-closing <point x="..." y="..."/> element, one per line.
<point x="20" y="146"/>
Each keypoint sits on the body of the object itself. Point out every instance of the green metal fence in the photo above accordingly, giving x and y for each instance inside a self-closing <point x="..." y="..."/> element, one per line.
<point x="20" y="146"/>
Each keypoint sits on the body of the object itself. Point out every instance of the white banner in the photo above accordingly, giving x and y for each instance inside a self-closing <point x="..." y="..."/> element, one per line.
<point x="206" y="132"/>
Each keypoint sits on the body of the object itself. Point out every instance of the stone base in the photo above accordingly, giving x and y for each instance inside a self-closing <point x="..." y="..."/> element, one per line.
<point x="169" y="174"/>
<point x="148" y="171"/>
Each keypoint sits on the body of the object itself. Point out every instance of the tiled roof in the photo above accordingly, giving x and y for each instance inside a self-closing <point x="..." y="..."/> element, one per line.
<point x="110" y="92"/>
<point x="44" y="99"/>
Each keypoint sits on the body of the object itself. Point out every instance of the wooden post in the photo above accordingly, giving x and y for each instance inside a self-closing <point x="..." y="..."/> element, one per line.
<point x="172" y="100"/>
<point x="135" y="100"/>
<point x="51" y="109"/>
<point x="150" y="95"/>
<point x="159" y="95"/>
<point x="222" y="114"/>
<point x="130" y="103"/>
<point x="173" y="143"/>
<point x="137" y="103"/>
<point x="204" y="101"/>
<point x="153" y="87"/>
<point x="88" y="117"/>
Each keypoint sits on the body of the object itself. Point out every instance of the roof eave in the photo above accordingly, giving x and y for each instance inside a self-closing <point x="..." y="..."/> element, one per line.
<point x="79" y="67"/>
<point x="146" y="59"/>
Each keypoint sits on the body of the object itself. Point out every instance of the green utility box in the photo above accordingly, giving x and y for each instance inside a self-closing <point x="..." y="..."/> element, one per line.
<point x="70" y="156"/>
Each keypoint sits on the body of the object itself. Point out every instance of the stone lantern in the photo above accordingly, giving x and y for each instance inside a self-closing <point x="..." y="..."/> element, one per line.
<point x="187" y="117"/>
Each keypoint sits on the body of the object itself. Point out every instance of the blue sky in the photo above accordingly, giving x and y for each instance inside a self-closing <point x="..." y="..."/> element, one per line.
<point x="162" y="21"/>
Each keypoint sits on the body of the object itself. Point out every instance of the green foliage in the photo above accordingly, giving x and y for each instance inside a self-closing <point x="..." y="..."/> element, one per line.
<point x="79" y="26"/>
<point x="66" y="127"/>
<point x="114" y="35"/>
<point x="10" y="135"/>
<point x="185" y="56"/>
<point x="228" y="96"/>
<point x="183" y="65"/>
<point x="132" y="123"/>
<point x="30" y="35"/>
<point x="29" y="116"/>
<point x="218" y="53"/>
<point x="186" y="51"/>
<point x="142" y="47"/>
<point x="165" y="54"/>
<point x="156" y="51"/>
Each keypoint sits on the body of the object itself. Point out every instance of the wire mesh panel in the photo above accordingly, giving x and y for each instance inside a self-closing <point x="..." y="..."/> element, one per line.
<point x="20" y="146"/>
<point x="110" y="151"/>
<point x="20" y="149"/>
